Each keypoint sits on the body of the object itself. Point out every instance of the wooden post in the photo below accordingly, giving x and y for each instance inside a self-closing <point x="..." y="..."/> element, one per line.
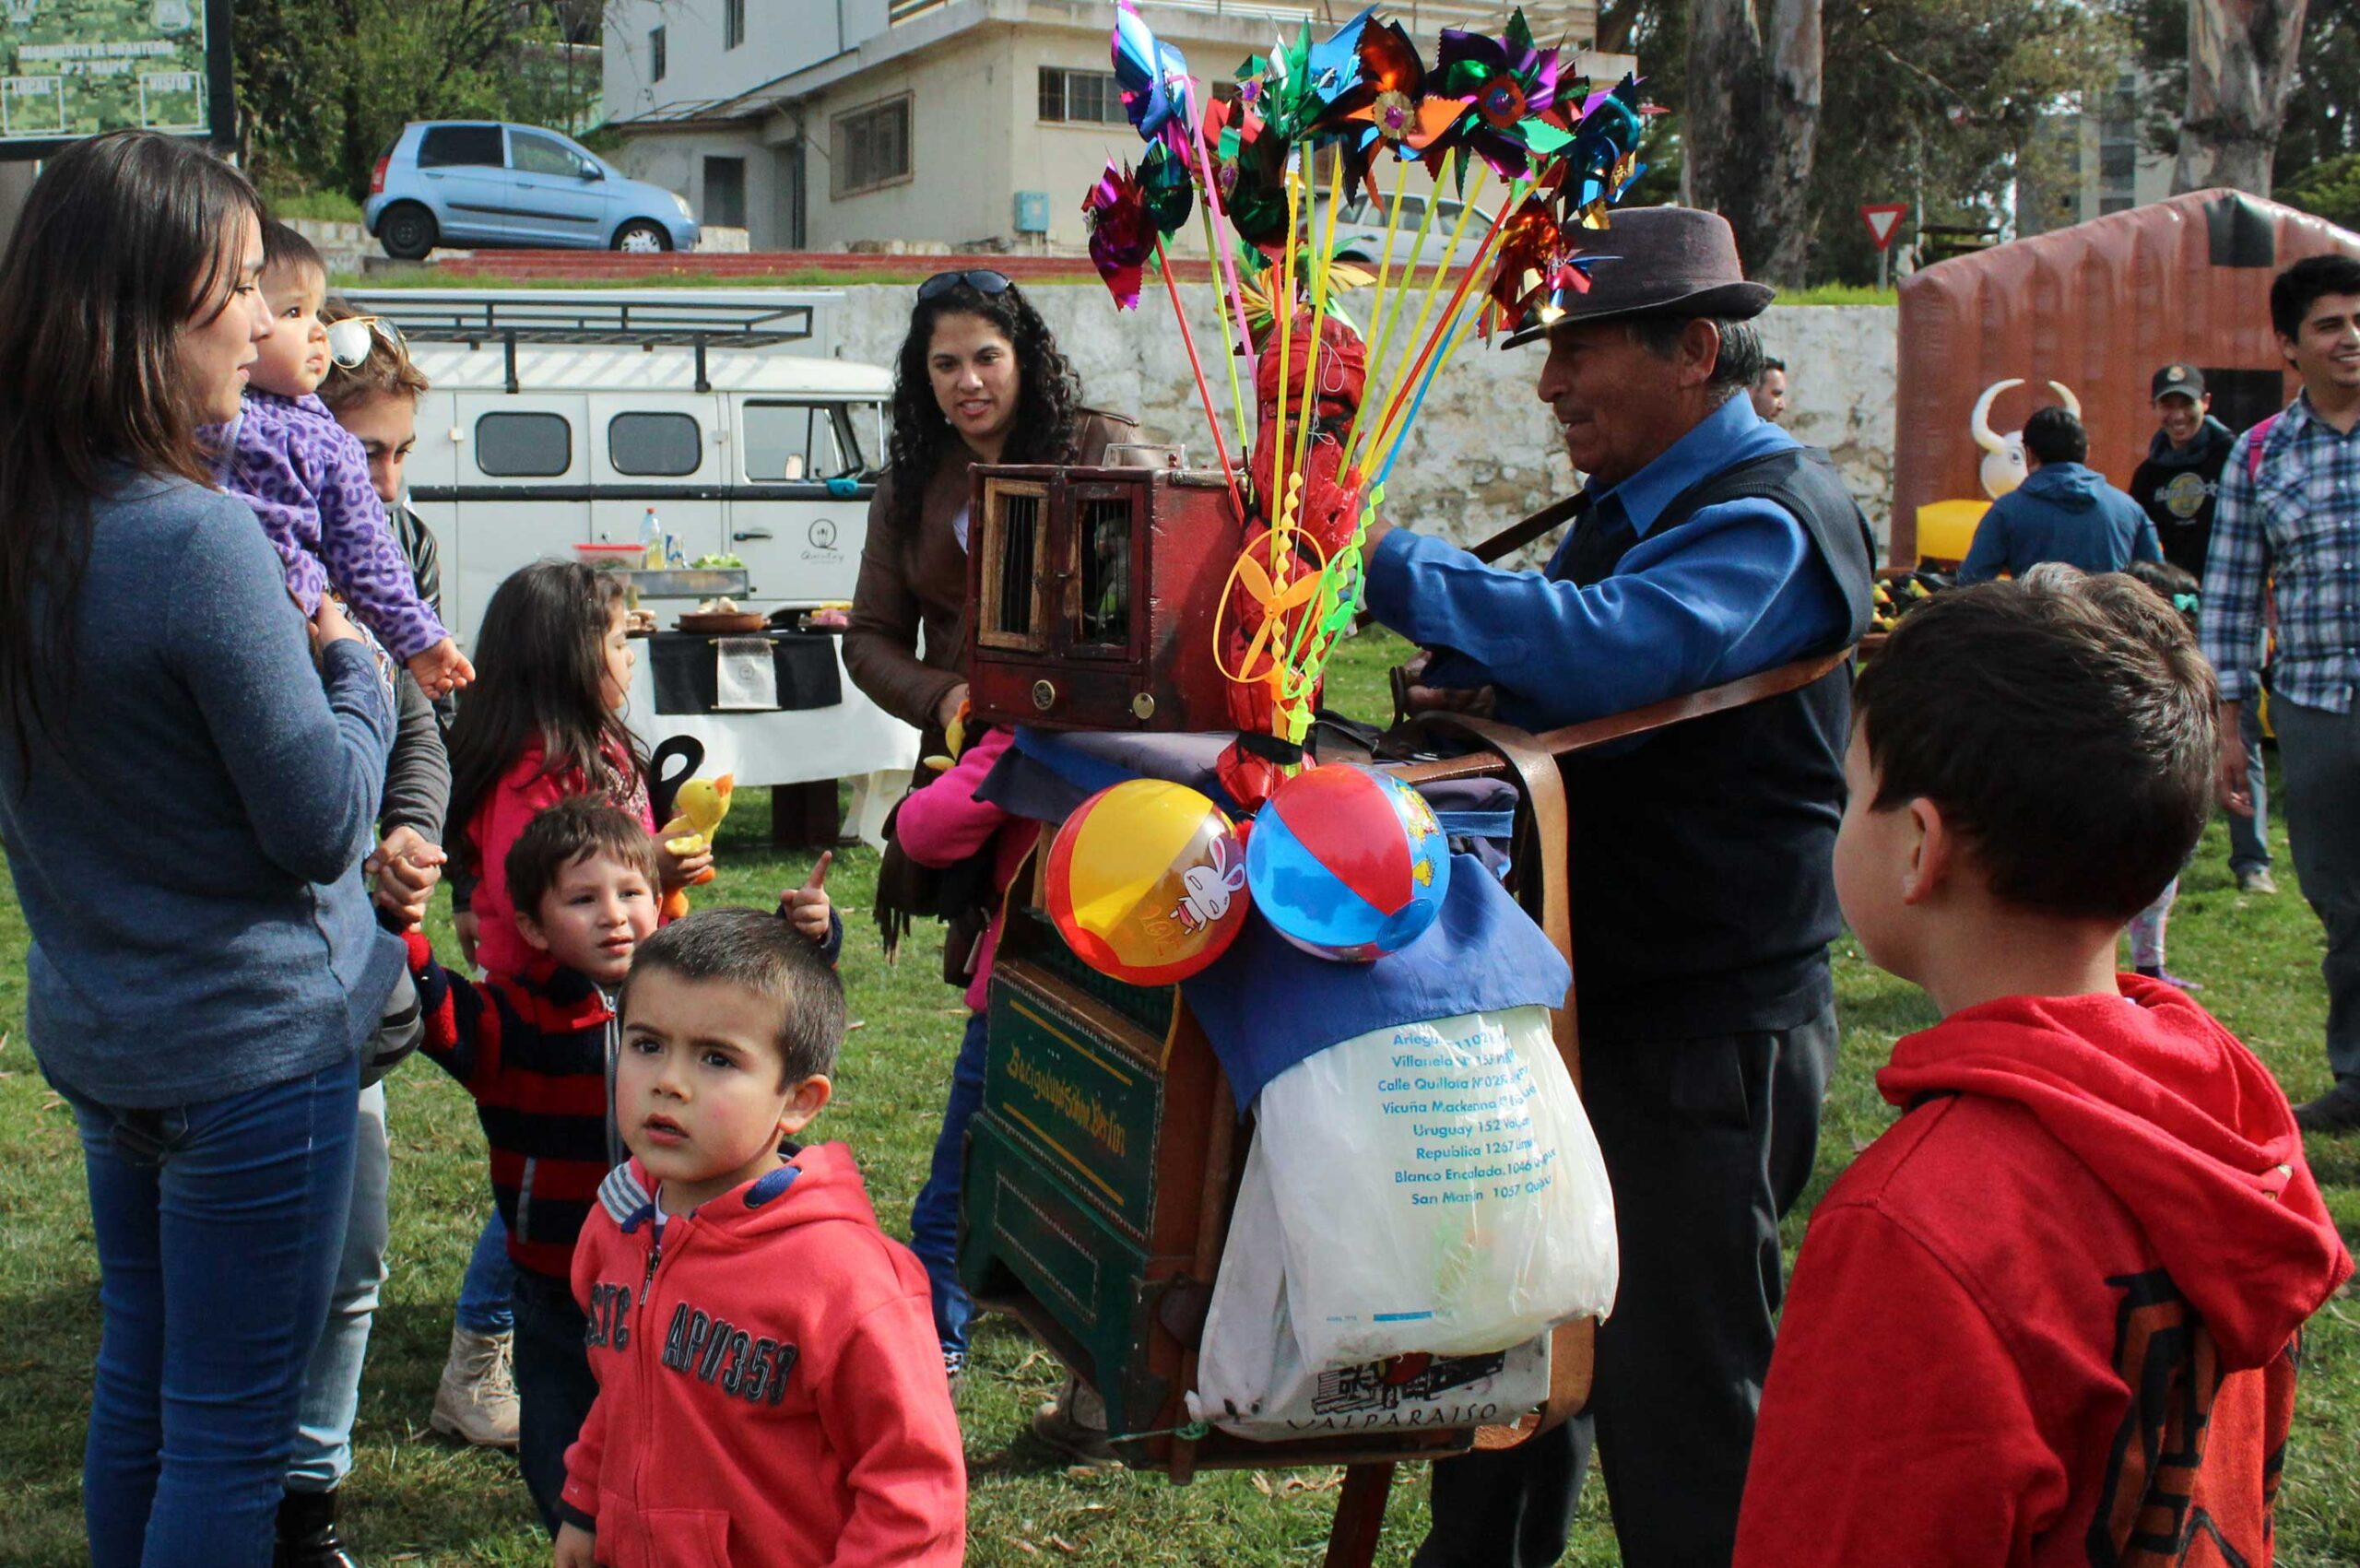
<point x="1360" y="1516"/>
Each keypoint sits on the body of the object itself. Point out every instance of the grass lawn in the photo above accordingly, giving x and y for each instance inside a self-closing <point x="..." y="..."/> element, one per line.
<point x="413" y="1498"/>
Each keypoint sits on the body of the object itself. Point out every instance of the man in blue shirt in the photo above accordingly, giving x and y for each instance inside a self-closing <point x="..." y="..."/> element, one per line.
<point x="2064" y="510"/>
<point x="1707" y="546"/>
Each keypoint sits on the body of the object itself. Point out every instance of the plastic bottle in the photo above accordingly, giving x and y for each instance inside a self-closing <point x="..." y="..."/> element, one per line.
<point x="650" y="536"/>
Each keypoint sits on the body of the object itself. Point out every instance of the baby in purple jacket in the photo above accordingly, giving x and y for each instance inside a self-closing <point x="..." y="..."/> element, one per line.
<point x="307" y="478"/>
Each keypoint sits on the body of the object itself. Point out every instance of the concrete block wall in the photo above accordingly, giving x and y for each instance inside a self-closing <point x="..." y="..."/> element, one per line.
<point x="1485" y="450"/>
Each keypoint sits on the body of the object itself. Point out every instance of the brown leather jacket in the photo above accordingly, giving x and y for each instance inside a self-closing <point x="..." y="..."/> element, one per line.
<point x="914" y="578"/>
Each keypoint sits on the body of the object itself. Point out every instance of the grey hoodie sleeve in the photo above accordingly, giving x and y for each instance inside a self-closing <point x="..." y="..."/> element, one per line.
<point x="418" y="774"/>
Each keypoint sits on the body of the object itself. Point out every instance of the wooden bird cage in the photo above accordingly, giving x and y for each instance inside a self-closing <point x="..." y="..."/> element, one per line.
<point x="1095" y="593"/>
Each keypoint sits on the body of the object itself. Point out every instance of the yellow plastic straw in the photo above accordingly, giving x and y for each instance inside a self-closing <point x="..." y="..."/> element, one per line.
<point x="1282" y="307"/>
<point x="1376" y="301"/>
<point x="1426" y="308"/>
<point x="1322" y="268"/>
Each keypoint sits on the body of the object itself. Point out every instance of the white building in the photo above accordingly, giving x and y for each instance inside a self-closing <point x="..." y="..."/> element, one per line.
<point x="2088" y="164"/>
<point x="931" y="125"/>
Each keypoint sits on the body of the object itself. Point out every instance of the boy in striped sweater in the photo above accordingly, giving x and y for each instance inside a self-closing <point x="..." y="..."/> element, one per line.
<point x="537" y="1049"/>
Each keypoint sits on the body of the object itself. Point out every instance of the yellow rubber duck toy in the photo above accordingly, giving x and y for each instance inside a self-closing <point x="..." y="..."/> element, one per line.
<point x="697" y="813"/>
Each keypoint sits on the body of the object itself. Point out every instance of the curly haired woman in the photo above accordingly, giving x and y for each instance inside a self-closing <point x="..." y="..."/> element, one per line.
<point x="979" y="379"/>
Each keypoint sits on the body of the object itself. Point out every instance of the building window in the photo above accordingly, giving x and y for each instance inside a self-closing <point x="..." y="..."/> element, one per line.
<point x="872" y="147"/>
<point x="1083" y="98"/>
<point x="655" y="54"/>
<point x="524" y="446"/>
<point x="725" y="191"/>
<point x="667" y="444"/>
<point x="733" y="23"/>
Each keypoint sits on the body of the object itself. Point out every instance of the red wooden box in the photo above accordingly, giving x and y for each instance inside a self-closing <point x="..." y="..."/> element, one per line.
<point x="1091" y="597"/>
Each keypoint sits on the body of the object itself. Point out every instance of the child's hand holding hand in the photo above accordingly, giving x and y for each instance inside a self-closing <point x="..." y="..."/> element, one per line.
<point x="442" y="668"/>
<point x="807" y="906"/>
<point x="406" y="868"/>
<point x="576" y="1547"/>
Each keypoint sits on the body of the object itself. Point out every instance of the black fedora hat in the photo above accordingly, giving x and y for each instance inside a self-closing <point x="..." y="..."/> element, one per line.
<point x="1657" y="261"/>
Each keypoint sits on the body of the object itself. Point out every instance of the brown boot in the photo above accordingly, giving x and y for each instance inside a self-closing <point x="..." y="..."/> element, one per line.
<point x="476" y="1401"/>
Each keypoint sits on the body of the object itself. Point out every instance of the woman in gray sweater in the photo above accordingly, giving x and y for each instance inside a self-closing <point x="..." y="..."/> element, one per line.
<point x="189" y="778"/>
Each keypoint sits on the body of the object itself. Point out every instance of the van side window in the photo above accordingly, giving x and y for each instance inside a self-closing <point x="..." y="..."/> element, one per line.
<point x="801" y="443"/>
<point x="524" y="446"/>
<point x="448" y="147"/>
<point x="664" y="445"/>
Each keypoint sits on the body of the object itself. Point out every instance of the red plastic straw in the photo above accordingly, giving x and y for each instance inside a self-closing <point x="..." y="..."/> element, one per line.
<point x="1212" y="420"/>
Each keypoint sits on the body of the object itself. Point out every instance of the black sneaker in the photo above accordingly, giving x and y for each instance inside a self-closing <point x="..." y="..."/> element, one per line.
<point x="2337" y="1111"/>
<point x="307" y="1533"/>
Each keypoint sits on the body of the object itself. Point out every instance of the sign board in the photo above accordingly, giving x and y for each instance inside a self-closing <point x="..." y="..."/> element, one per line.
<point x="74" y="68"/>
<point x="1884" y="219"/>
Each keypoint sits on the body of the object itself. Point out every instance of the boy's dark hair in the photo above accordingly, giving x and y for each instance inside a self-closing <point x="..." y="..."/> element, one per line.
<point x="2294" y="291"/>
<point x="563" y="834"/>
<point x="282" y="246"/>
<point x="1770" y="362"/>
<point x="2064" y="725"/>
<point x="762" y="953"/>
<point x="2055" y="435"/>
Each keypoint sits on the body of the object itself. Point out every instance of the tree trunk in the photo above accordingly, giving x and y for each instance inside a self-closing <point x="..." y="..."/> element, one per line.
<point x="2240" y="70"/>
<point x="1750" y="116"/>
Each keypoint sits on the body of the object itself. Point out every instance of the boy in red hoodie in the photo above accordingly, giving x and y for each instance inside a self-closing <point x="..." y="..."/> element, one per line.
<point x="769" y="1392"/>
<point x="2049" y="1317"/>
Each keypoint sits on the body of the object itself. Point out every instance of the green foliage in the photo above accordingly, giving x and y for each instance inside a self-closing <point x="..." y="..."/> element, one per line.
<point x="323" y="207"/>
<point x="325" y="86"/>
<point x="2330" y="189"/>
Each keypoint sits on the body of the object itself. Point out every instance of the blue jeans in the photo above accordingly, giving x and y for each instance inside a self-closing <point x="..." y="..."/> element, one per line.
<point x="2319" y="752"/>
<point x="489" y="1283"/>
<point x="219" y="1228"/>
<point x="555" y="1386"/>
<point x="2249" y="836"/>
<point x="331" y="1385"/>
<point x="934" y="1219"/>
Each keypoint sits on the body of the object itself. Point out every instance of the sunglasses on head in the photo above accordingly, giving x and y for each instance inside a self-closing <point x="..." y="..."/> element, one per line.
<point x="983" y="281"/>
<point x="349" y="339"/>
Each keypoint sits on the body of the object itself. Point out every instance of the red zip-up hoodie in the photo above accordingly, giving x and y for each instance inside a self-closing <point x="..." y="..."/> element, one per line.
<point x="770" y="1391"/>
<point x="2049" y="1317"/>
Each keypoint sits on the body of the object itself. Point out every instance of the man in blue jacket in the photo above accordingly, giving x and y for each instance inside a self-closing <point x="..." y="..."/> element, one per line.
<point x="1706" y="545"/>
<point x="2064" y="510"/>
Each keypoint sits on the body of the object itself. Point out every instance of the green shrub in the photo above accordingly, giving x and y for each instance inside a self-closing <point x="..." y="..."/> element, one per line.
<point x="2329" y="189"/>
<point x="321" y="206"/>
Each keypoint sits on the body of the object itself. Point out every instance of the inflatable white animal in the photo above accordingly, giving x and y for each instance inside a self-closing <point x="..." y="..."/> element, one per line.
<point x="2004" y="457"/>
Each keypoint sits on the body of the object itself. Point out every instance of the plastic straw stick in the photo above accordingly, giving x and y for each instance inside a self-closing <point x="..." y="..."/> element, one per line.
<point x="1189" y="340"/>
<point x="1393" y="315"/>
<point x="1413" y="363"/>
<point x="1405" y="369"/>
<point x="1457" y="335"/>
<point x="1282" y="308"/>
<point x="1322" y="267"/>
<point x="1388" y="426"/>
<point x="1218" y="258"/>
<point x="1220" y="246"/>
<point x="1375" y="347"/>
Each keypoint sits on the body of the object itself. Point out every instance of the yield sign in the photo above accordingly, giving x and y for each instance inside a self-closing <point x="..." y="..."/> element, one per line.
<point x="1884" y="219"/>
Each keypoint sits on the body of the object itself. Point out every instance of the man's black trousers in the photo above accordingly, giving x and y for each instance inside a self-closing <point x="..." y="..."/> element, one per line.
<point x="1707" y="1142"/>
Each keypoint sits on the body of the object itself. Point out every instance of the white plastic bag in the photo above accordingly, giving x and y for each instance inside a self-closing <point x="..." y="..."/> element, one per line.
<point x="1252" y="1380"/>
<point x="1438" y="1189"/>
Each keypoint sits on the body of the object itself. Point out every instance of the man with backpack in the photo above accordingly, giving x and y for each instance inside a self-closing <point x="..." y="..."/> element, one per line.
<point x="2290" y="513"/>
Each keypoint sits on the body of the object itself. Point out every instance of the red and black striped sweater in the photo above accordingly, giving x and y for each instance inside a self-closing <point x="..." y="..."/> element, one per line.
<point x="536" y="1049"/>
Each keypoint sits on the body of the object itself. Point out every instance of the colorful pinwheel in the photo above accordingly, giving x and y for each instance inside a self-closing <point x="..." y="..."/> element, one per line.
<point x="1122" y="236"/>
<point x="1153" y="77"/>
<point x="1505" y="82"/>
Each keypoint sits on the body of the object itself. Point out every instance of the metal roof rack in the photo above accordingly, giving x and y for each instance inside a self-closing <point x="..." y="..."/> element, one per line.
<point x="588" y="321"/>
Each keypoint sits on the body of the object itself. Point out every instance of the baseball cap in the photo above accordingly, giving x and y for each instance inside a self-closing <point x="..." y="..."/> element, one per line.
<point x="2178" y="377"/>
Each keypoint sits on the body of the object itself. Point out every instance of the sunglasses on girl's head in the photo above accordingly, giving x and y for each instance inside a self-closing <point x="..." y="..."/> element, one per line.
<point x="349" y="339"/>
<point x="983" y="281"/>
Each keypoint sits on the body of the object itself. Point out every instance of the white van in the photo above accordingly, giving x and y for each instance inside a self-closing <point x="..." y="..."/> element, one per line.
<point x="559" y="417"/>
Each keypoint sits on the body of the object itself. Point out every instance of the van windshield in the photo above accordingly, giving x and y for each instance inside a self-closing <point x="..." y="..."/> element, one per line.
<point x="811" y="443"/>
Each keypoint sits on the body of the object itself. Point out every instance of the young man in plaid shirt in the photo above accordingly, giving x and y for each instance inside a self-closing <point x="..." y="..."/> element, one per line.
<point x="2290" y="513"/>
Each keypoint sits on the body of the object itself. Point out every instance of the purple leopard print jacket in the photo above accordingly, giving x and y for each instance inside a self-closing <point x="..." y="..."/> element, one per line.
<point x="307" y="479"/>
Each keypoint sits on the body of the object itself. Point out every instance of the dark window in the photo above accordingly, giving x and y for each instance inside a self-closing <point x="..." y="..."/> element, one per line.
<point x="732" y="24"/>
<point x="665" y="444"/>
<point x="453" y="147"/>
<point x="655" y="54"/>
<point x="1011" y="561"/>
<point x="529" y="154"/>
<point x="725" y="191"/>
<point x="872" y="148"/>
<point x="524" y="446"/>
<point x="1086" y="98"/>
